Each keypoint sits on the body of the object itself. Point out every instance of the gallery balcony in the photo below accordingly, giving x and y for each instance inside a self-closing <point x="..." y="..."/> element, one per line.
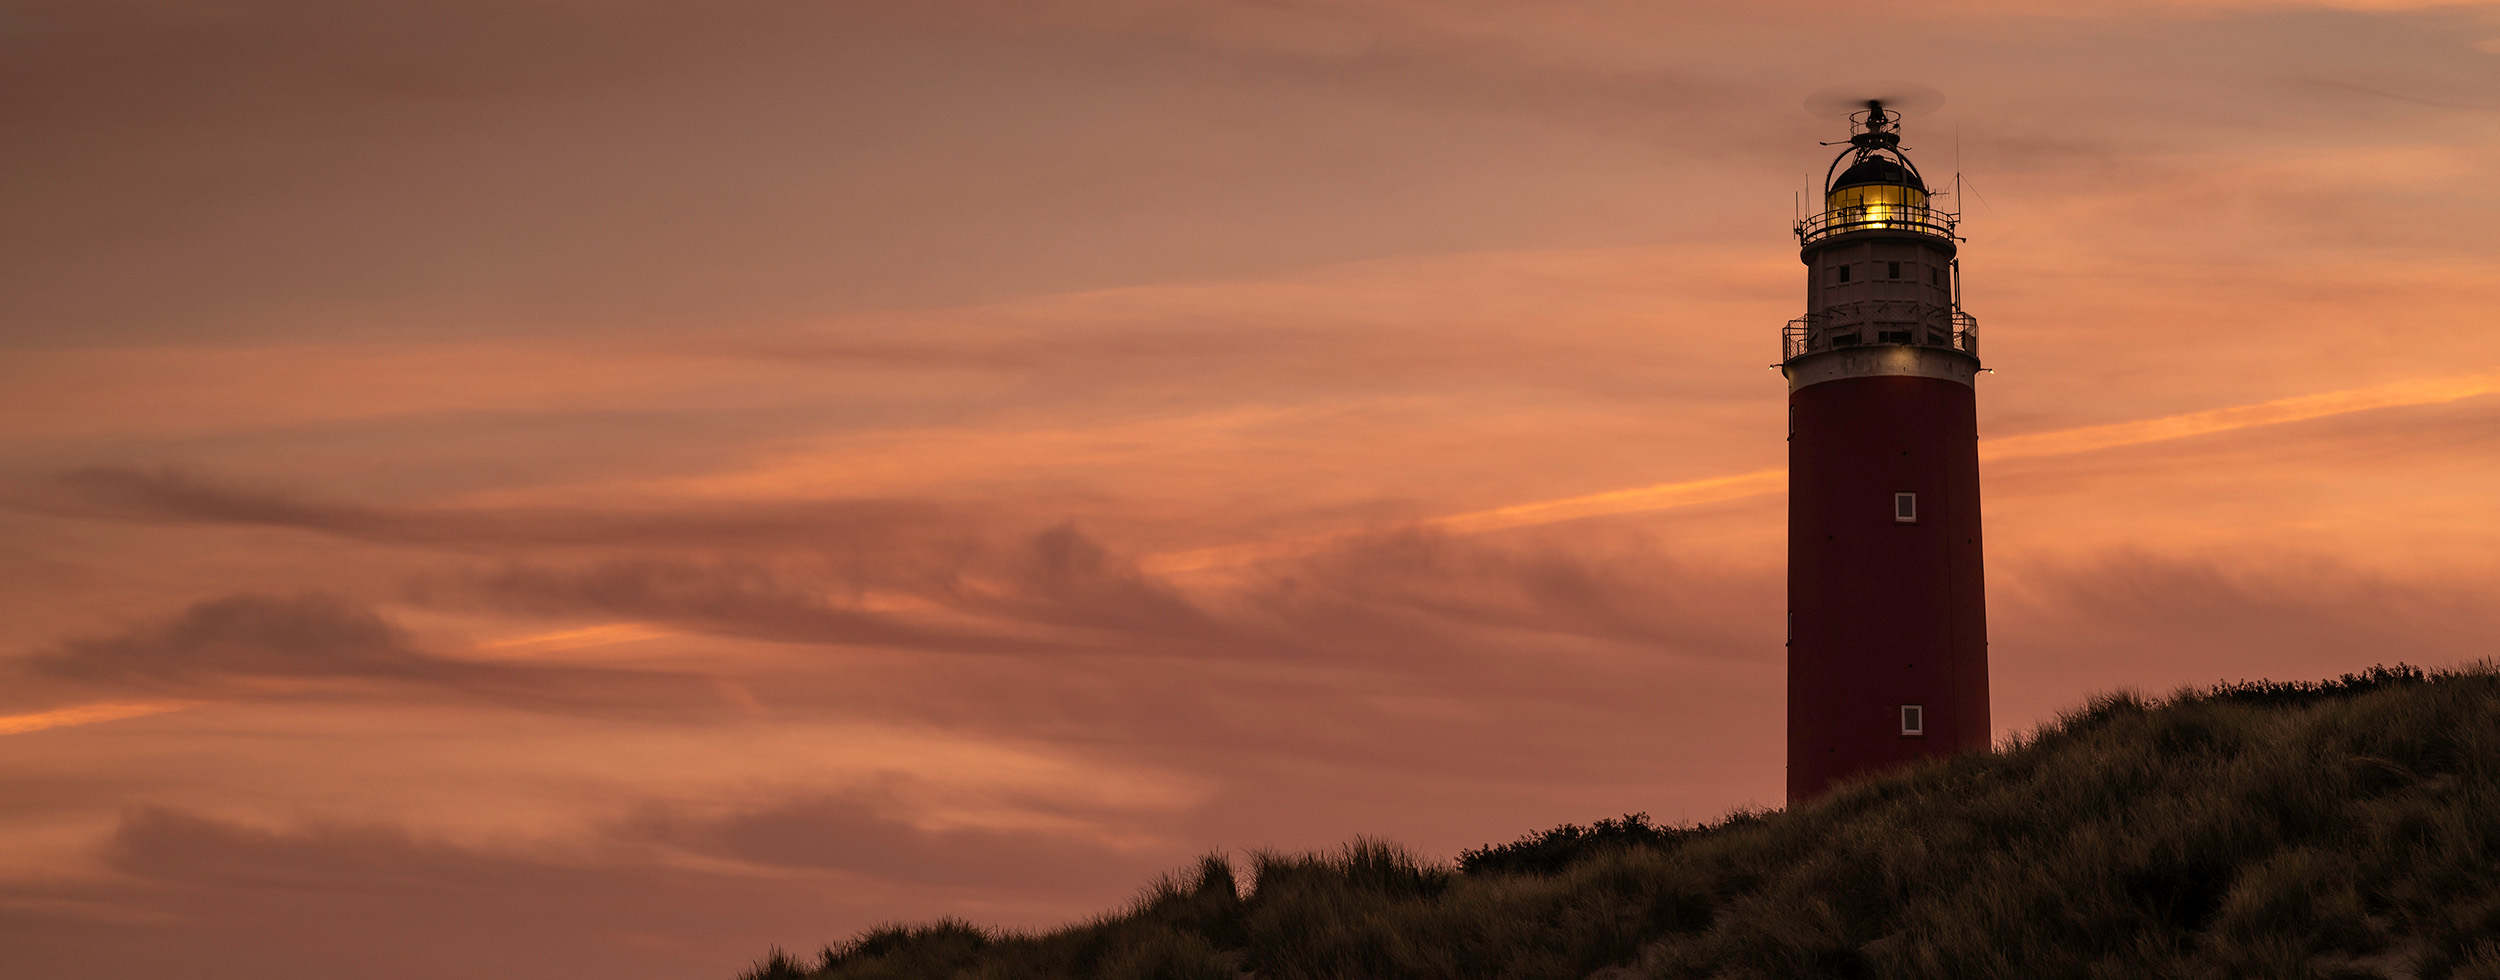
<point x="1817" y="332"/>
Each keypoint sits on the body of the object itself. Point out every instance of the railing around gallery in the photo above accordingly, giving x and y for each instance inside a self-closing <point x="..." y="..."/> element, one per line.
<point x="1880" y="323"/>
<point x="1877" y="217"/>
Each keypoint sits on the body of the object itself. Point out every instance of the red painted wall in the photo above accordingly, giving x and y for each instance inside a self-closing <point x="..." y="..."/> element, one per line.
<point x="1882" y="614"/>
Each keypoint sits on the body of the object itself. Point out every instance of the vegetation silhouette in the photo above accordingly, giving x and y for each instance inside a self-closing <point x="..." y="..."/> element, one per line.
<point x="2340" y="829"/>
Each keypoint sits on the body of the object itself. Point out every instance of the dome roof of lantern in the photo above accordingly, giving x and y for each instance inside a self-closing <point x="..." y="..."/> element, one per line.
<point x="1878" y="170"/>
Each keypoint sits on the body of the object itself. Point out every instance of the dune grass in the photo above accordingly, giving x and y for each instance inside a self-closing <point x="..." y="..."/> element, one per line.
<point x="2342" y="829"/>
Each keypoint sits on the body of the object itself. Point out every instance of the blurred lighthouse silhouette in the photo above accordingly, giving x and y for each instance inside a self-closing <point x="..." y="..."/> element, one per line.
<point x="1887" y="618"/>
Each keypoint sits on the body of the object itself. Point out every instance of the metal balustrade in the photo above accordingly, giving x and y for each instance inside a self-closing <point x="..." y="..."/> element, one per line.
<point x="1878" y="217"/>
<point x="1869" y="327"/>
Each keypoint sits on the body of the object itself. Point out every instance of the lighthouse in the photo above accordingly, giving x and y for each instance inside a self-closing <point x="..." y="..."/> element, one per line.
<point x="1887" y="621"/>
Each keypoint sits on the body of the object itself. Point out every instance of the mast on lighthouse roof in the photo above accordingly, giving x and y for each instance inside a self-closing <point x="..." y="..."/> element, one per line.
<point x="1887" y="638"/>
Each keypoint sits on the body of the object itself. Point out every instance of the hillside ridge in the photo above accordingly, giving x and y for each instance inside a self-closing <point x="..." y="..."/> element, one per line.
<point x="2337" y="829"/>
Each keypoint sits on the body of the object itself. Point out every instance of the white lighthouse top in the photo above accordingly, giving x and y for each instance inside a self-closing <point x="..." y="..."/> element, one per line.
<point x="1883" y="273"/>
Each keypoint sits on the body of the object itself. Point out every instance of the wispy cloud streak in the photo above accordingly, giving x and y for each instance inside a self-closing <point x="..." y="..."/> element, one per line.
<point x="87" y="714"/>
<point x="1686" y="493"/>
<point x="2298" y="408"/>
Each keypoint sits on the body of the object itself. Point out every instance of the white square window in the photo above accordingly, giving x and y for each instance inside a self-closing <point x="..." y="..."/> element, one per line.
<point x="1913" y="719"/>
<point x="1905" y="508"/>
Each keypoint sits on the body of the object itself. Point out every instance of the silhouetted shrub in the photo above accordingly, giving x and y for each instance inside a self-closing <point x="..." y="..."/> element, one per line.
<point x="938" y="949"/>
<point x="1549" y="851"/>
<point x="2271" y="692"/>
<point x="777" y="965"/>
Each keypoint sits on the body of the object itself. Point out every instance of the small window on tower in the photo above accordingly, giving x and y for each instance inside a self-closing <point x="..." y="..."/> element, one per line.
<point x="1892" y="270"/>
<point x="1905" y="508"/>
<point x="1844" y="273"/>
<point x="1935" y="277"/>
<point x="1913" y="719"/>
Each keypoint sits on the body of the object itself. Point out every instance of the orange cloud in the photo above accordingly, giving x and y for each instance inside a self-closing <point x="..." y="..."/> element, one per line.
<point x="587" y="636"/>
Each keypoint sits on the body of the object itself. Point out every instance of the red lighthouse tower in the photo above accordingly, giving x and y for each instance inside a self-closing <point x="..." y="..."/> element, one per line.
<point x="1888" y="626"/>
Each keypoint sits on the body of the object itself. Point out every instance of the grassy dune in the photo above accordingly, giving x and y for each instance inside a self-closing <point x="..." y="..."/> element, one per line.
<point x="2349" y="828"/>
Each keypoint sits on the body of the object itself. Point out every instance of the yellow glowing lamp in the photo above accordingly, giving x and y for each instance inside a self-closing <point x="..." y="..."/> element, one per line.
<point x="1875" y="196"/>
<point x="1879" y="192"/>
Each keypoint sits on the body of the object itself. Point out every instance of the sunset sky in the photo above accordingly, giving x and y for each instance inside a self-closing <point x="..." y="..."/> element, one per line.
<point x="554" y="488"/>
